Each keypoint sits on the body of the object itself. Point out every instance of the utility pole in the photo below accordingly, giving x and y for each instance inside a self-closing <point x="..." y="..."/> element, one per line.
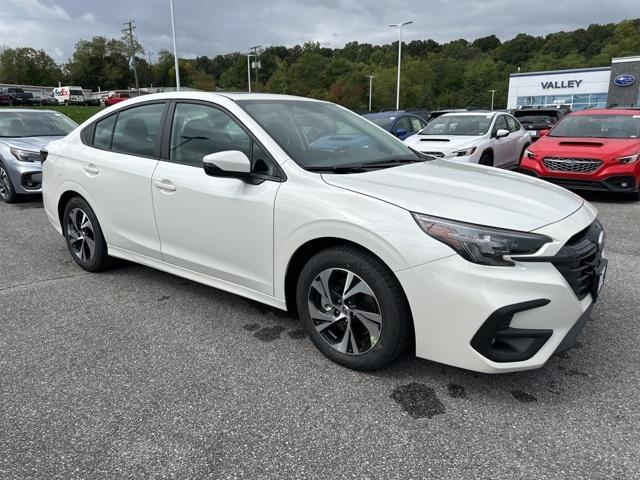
<point x="370" y="77"/>
<point x="249" y="55"/>
<point x="493" y="94"/>
<point x="129" y="28"/>
<point x="256" y="63"/>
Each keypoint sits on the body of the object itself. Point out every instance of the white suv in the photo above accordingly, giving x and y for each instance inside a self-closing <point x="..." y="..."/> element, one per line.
<point x="303" y="205"/>
<point x="488" y="138"/>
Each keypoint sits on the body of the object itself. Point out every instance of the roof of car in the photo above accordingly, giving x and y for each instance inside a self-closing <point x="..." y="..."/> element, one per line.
<point x="479" y="113"/>
<point x="607" y="111"/>
<point x="389" y="114"/>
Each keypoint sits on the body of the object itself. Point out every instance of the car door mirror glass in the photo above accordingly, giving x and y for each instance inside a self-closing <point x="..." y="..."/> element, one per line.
<point x="502" y="132"/>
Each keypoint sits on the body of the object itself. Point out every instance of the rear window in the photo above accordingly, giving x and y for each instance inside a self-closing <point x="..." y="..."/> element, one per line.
<point x="76" y="92"/>
<point x="537" y="119"/>
<point x="598" y="126"/>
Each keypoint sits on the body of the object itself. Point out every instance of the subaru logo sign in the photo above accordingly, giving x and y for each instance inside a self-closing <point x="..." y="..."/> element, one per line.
<point x="624" y="80"/>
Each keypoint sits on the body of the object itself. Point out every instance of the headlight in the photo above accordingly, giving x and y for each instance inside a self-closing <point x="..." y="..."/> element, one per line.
<point x="25" y="155"/>
<point x="464" y="153"/>
<point x="629" y="159"/>
<point x="478" y="244"/>
<point x="529" y="154"/>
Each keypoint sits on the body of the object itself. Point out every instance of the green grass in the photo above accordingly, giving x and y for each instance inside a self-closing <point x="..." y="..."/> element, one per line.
<point x="76" y="113"/>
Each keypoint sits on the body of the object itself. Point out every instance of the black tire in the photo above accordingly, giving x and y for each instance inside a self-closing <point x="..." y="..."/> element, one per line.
<point x="98" y="260"/>
<point x="521" y="155"/>
<point x="395" y="329"/>
<point x="486" y="159"/>
<point x="7" y="191"/>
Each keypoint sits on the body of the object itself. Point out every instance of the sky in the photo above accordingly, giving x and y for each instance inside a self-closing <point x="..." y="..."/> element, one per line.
<point x="211" y="27"/>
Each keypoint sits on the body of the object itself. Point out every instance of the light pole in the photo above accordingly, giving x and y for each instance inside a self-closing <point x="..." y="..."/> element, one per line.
<point x="399" y="25"/>
<point x="249" y="55"/>
<point x="493" y="94"/>
<point x="175" y="49"/>
<point x="370" y="77"/>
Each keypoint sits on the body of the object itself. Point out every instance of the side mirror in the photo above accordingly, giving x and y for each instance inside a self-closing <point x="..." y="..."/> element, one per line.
<point x="230" y="164"/>
<point x="401" y="132"/>
<point x="542" y="133"/>
<point x="501" y="133"/>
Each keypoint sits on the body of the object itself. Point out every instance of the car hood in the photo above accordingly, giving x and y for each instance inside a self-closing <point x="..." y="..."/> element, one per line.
<point x="441" y="143"/>
<point x="603" y="148"/>
<point x="468" y="193"/>
<point x="34" y="144"/>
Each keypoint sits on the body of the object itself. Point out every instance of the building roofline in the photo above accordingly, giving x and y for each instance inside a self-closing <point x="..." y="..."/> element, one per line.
<point x="572" y="70"/>
<point x="625" y="59"/>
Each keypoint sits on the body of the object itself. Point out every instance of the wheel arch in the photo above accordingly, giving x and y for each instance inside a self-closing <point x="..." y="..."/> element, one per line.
<point x="68" y="194"/>
<point x="305" y="251"/>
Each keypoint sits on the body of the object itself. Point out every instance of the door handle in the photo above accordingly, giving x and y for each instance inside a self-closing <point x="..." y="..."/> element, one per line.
<point x="91" y="169"/>
<point x="165" y="185"/>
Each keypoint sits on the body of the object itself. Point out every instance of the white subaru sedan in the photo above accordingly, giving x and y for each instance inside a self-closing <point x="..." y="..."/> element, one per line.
<point x="488" y="138"/>
<point x="306" y="206"/>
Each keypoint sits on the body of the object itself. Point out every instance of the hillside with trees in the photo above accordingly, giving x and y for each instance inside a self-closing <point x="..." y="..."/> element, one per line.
<point x="458" y="73"/>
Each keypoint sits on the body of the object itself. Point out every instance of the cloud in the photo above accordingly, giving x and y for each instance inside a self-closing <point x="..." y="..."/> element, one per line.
<point x="204" y="28"/>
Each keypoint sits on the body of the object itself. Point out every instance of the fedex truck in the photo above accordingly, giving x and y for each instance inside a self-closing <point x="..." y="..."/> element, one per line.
<point x="69" y="95"/>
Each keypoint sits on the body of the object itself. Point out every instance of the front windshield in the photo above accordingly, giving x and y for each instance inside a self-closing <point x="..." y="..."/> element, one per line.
<point x="598" y="126"/>
<point x="320" y="134"/>
<point x="468" y="125"/>
<point x="34" y="124"/>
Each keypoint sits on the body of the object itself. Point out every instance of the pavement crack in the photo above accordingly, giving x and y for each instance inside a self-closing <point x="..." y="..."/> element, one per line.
<point x="38" y="282"/>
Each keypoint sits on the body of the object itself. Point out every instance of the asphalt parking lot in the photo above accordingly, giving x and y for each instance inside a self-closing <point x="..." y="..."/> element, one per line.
<point x="134" y="373"/>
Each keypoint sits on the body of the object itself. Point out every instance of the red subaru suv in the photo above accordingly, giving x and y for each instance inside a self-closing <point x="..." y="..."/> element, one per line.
<point x="596" y="149"/>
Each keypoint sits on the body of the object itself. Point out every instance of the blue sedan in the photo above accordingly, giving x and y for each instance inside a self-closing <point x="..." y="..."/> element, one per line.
<point x="401" y="124"/>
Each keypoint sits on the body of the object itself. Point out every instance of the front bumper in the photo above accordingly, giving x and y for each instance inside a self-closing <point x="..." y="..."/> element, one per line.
<point x="462" y="311"/>
<point x="617" y="178"/>
<point x="26" y="177"/>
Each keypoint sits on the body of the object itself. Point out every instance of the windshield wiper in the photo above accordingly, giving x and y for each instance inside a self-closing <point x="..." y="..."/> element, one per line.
<point x="364" y="167"/>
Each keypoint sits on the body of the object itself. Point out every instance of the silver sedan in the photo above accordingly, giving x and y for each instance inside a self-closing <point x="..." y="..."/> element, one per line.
<point x="23" y="133"/>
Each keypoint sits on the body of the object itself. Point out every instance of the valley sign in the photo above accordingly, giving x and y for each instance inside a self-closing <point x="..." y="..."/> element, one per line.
<point x="561" y="84"/>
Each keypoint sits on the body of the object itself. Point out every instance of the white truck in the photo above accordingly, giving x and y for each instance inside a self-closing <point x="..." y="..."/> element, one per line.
<point x="69" y="95"/>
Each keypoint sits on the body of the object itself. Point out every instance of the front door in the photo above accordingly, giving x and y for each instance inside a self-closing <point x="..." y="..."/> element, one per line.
<point x="220" y="227"/>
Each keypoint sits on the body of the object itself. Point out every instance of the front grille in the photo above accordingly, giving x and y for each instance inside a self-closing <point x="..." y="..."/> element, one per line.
<point x="434" y="154"/>
<point x="576" y="165"/>
<point x="578" y="259"/>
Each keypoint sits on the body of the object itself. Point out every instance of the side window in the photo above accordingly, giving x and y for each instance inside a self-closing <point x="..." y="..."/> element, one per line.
<point x="404" y="123"/>
<point x="500" y="124"/>
<point x="514" y="126"/>
<point x="104" y="132"/>
<point x="198" y="130"/>
<point x="416" y="124"/>
<point x="137" y="130"/>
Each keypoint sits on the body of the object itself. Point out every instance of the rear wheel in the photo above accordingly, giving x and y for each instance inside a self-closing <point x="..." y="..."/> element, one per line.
<point x="486" y="159"/>
<point x="84" y="237"/>
<point x="353" y="308"/>
<point x="7" y="192"/>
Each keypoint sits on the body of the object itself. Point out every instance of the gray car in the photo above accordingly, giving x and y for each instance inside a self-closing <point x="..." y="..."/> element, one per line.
<point x="23" y="133"/>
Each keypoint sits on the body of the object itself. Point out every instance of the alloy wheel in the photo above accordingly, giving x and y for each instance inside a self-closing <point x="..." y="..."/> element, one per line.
<point x="345" y="311"/>
<point x="5" y="188"/>
<point x="80" y="234"/>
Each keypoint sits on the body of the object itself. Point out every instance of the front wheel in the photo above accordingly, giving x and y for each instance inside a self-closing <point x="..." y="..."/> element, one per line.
<point x="486" y="159"/>
<point x="353" y="308"/>
<point x="84" y="237"/>
<point x="7" y="192"/>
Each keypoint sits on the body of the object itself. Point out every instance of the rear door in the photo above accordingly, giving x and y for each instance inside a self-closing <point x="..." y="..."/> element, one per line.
<point x="503" y="148"/>
<point x="219" y="227"/>
<point x="116" y="168"/>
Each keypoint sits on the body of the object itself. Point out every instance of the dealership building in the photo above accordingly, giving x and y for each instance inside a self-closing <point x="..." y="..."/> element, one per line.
<point x="615" y="85"/>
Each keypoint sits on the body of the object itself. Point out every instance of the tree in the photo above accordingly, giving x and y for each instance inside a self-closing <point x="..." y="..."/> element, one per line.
<point x="27" y="66"/>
